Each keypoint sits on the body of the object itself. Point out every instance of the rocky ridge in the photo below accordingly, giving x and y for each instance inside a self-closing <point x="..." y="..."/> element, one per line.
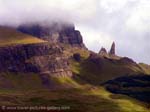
<point x="56" y="33"/>
<point x="43" y="58"/>
<point x="111" y="53"/>
<point x="38" y="58"/>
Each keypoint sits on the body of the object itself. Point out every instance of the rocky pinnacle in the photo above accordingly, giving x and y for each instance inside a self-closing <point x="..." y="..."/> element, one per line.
<point x="112" y="50"/>
<point x="103" y="51"/>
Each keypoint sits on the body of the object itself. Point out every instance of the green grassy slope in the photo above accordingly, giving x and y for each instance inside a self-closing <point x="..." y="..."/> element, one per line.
<point x="9" y="36"/>
<point x="20" y="81"/>
<point x="82" y="93"/>
<point x="30" y="91"/>
<point x="145" y="67"/>
<point x="102" y="69"/>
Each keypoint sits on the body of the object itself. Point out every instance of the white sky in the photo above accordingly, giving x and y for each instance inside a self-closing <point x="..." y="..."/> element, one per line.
<point x="127" y="22"/>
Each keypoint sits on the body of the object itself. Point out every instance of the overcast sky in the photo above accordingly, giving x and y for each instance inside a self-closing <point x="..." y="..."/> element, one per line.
<point x="127" y="22"/>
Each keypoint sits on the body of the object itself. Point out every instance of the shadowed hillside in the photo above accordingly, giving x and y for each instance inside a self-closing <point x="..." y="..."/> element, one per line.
<point x="137" y="86"/>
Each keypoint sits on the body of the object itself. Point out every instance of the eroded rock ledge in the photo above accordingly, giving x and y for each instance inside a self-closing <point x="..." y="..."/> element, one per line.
<point x="38" y="58"/>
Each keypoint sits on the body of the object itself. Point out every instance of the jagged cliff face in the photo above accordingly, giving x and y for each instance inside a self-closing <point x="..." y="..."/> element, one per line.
<point x="38" y="58"/>
<point x="56" y="32"/>
<point x="43" y="58"/>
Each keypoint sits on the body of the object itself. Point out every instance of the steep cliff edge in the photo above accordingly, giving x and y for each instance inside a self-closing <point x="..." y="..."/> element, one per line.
<point x="38" y="58"/>
<point x="20" y="52"/>
<point x="55" y="32"/>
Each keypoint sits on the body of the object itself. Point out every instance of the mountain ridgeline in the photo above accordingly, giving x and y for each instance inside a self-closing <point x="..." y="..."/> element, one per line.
<point x="56" y="32"/>
<point x="54" y="57"/>
<point x="45" y="57"/>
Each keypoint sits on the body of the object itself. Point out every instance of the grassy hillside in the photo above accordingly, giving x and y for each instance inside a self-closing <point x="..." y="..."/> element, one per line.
<point x="99" y="70"/>
<point x="81" y="93"/>
<point x="28" y="90"/>
<point x="145" y="67"/>
<point x="9" y="36"/>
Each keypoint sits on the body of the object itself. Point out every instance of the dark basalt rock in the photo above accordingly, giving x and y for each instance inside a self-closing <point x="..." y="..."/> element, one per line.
<point x="77" y="57"/>
<point x="103" y="52"/>
<point x="36" y="58"/>
<point x="56" y="32"/>
<point x="112" y="49"/>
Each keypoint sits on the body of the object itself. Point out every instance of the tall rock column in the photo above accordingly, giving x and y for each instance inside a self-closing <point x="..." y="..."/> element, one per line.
<point x="112" y="50"/>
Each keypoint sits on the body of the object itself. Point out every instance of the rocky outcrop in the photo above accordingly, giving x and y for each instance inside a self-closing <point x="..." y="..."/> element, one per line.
<point x="127" y="60"/>
<point x="38" y="58"/>
<point x="103" y="52"/>
<point x="111" y="54"/>
<point x="96" y="59"/>
<point x="55" y="65"/>
<point x="56" y="32"/>
<point x="77" y="57"/>
<point x="112" y="49"/>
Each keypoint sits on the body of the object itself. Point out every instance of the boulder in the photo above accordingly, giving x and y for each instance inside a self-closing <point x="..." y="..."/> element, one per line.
<point x="77" y="57"/>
